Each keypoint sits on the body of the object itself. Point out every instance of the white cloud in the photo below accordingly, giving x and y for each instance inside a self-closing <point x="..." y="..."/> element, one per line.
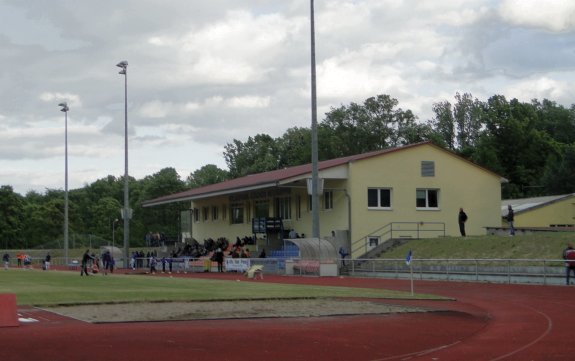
<point x="552" y="15"/>
<point x="540" y="88"/>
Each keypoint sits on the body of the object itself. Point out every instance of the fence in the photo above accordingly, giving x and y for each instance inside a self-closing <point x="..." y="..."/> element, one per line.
<point x="525" y="271"/>
<point x="522" y="271"/>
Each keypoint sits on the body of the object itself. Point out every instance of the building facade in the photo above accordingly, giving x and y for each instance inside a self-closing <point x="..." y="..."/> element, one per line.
<point x="413" y="191"/>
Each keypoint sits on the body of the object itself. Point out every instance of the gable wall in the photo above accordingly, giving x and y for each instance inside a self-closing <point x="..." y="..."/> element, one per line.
<point x="460" y="184"/>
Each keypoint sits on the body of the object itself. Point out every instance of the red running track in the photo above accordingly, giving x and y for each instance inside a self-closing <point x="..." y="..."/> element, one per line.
<point x="484" y="322"/>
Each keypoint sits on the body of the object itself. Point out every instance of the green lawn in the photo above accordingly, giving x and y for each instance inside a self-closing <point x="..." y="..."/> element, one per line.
<point x="35" y="287"/>
<point x="548" y="245"/>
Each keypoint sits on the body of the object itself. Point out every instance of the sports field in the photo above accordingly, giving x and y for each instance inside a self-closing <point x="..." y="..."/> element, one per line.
<point x="476" y="322"/>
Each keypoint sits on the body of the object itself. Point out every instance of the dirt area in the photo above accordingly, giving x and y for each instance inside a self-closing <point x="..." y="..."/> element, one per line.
<point x="164" y="311"/>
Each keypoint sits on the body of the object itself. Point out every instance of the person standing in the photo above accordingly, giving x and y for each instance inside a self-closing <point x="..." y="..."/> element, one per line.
<point x="569" y="257"/>
<point x="462" y="219"/>
<point x="6" y="260"/>
<point x="107" y="262"/>
<point x="219" y="257"/>
<point x="86" y="258"/>
<point x="47" y="261"/>
<point x="510" y="219"/>
<point x="343" y="253"/>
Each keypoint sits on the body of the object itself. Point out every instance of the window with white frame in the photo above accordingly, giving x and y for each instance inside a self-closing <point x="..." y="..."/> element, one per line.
<point x="298" y="206"/>
<point x="379" y="198"/>
<point x="196" y="215"/>
<point x="328" y="200"/>
<point x="237" y="213"/>
<point x="205" y="213"/>
<point x="261" y="208"/>
<point x="427" y="198"/>
<point x="283" y="207"/>
<point x="215" y="213"/>
<point x="224" y="212"/>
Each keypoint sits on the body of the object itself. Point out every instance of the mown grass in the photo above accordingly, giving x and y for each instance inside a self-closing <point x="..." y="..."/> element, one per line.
<point x="39" y="288"/>
<point x="534" y="246"/>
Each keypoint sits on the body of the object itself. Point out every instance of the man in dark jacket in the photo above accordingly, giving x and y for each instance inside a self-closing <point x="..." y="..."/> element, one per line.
<point x="510" y="219"/>
<point x="462" y="219"/>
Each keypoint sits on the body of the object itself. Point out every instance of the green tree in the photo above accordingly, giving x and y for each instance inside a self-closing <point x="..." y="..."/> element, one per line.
<point x="256" y="155"/>
<point x="208" y="174"/>
<point x="11" y="216"/>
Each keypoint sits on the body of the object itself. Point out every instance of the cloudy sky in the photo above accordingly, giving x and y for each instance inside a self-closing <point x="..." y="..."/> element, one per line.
<point x="202" y="73"/>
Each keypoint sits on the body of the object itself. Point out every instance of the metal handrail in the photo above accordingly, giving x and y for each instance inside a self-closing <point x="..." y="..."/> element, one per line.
<point x="358" y="245"/>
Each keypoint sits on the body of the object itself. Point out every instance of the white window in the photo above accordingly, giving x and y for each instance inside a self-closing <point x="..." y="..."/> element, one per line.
<point x="224" y="212"/>
<point x="372" y="241"/>
<point x="261" y="208"/>
<point x="237" y="213"/>
<point x="298" y="206"/>
<point x="215" y="213"/>
<point x="283" y="207"/>
<point x="205" y="213"/>
<point x="427" y="199"/>
<point x="379" y="198"/>
<point x="328" y="200"/>
<point x="196" y="215"/>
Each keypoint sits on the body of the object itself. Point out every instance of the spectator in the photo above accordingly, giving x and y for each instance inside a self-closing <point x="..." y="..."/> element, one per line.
<point x="569" y="256"/>
<point x="510" y="219"/>
<point x="263" y="253"/>
<point x="219" y="257"/>
<point x="108" y="262"/>
<point x="292" y="234"/>
<point x="47" y="262"/>
<point x="343" y="253"/>
<point x="153" y="262"/>
<point x="462" y="218"/>
<point x="6" y="260"/>
<point x="86" y="258"/>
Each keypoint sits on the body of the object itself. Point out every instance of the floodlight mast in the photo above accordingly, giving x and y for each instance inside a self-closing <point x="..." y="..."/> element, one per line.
<point x="314" y="141"/>
<point x="65" y="109"/>
<point x="126" y="214"/>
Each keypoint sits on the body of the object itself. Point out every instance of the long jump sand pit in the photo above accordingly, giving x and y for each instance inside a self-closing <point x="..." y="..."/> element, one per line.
<point x="171" y="311"/>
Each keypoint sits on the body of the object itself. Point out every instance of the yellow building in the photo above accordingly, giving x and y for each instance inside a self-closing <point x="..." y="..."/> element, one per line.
<point x="413" y="191"/>
<point x="541" y="212"/>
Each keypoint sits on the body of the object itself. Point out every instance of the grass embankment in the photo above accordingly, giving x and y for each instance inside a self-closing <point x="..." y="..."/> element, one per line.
<point x="547" y="246"/>
<point x="35" y="287"/>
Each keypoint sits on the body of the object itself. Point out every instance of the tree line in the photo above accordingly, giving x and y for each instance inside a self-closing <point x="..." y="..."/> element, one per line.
<point x="530" y="144"/>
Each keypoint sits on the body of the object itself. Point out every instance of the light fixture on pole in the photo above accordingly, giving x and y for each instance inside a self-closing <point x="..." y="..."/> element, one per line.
<point x="65" y="109"/>
<point x="126" y="211"/>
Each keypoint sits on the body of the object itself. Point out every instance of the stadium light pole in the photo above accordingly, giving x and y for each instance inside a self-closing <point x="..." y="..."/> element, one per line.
<point x="126" y="211"/>
<point x="314" y="144"/>
<point x="64" y="108"/>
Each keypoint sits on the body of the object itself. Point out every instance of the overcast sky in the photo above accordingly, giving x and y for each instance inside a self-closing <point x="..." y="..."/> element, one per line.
<point x="202" y="73"/>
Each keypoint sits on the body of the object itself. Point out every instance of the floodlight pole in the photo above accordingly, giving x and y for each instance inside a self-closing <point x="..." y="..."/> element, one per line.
<point x="65" y="109"/>
<point x="314" y="141"/>
<point x="126" y="211"/>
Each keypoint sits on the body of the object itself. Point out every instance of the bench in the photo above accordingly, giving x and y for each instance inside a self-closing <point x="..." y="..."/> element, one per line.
<point x="307" y="266"/>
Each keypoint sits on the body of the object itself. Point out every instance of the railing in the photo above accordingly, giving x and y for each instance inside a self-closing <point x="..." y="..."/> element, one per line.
<point x="539" y="271"/>
<point x="395" y="230"/>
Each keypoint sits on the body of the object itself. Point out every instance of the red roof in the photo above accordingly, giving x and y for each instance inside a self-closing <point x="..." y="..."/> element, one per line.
<point x="270" y="178"/>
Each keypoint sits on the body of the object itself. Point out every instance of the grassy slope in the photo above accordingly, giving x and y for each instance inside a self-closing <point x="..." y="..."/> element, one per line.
<point x="534" y="246"/>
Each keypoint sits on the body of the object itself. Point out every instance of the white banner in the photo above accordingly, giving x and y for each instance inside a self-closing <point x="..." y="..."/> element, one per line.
<point x="237" y="264"/>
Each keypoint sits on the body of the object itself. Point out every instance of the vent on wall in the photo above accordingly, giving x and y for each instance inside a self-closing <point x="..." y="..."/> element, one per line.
<point x="427" y="168"/>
